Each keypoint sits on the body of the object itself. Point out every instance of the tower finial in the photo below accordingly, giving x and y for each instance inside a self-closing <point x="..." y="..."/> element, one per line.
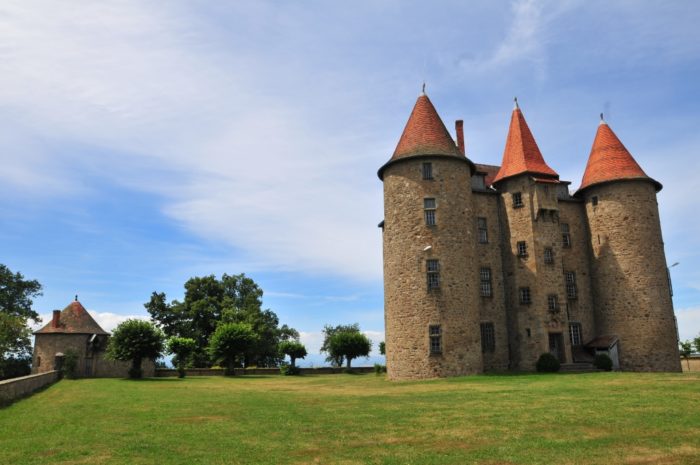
<point x="423" y="91"/>
<point x="515" y="99"/>
<point x="76" y="297"/>
<point x="602" y="120"/>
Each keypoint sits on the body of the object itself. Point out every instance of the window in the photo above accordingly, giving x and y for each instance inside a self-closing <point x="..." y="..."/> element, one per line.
<point x="429" y="210"/>
<point x="575" y="334"/>
<point x="565" y="235"/>
<point x="522" y="249"/>
<point x="485" y="287"/>
<point x="427" y="171"/>
<point x="435" y="334"/>
<point x="517" y="200"/>
<point x="552" y="303"/>
<point x="525" y="297"/>
<point x="488" y="337"/>
<point x="594" y="200"/>
<point x="482" y="230"/>
<point x="548" y="256"/>
<point x="433" y="269"/>
<point x="570" y="285"/>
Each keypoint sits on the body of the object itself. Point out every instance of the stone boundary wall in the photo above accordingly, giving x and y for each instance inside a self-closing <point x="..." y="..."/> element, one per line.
<point x="167" y="372"/>
<point x="16" y="388"/>
<point x="692" y="364"/>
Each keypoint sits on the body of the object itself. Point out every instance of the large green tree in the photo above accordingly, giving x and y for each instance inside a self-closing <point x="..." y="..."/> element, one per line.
<point x="294" y="349"/>
<point x="182" y="349"/>
<point x="210" y="302"/>
<point x="334" y="358"/>
<point x="350" y="345"/>
<point x="134" y="340"/>
<point x="16" y="300"/>
<point x="230" y="342"/>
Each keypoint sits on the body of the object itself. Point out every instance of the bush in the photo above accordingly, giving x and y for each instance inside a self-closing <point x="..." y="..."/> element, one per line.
<point x="290" y="370"/>
<point x="379" y="369"/>
<point x="69" y="369"/>
<point x="548" y="363"/>
<point x="603" y="362"/>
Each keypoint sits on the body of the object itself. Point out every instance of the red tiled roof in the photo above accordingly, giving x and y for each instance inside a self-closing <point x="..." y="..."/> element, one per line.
<point x="425" y="133"/>
<point x="489" y="170"/>
<point x="74" y="319"/>
<point x="611" y="161"/>
<point x="521" y="154"/>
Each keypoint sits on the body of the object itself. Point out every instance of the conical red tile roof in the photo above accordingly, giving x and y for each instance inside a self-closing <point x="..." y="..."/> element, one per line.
<point x="74" y="319"/>
<point x="521" y="154"/>
<point x="424" y="134"/>
<point x="611" y="161"/>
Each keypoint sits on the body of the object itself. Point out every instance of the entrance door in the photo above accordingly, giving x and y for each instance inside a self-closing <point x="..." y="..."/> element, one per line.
<point x="556" y="346"/>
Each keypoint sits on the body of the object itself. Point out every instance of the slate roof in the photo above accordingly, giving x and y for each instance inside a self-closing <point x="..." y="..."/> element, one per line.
<point x="424" y="134"/>
<point x="522" y="155"/>
<point x="611" y="161"/>
<point x="74" y="320"/>
<point x="489" y="170"/>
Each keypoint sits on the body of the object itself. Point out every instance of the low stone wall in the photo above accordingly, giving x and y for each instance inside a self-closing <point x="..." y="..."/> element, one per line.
<point x="165" y="372"/>
<point x="16" y="388"/>
<point x="692" y="364"/>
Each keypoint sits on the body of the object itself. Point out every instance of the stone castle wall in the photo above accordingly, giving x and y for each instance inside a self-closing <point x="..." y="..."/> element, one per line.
<point x="630" y="281"/>
<point x="410" y="308"/>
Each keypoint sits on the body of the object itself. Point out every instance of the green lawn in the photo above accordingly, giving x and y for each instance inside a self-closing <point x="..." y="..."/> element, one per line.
<point x="346" y="419"/>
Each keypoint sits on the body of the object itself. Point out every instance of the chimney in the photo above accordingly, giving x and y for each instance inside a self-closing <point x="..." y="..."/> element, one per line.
<point x="459" y="128"/>
<point x="56" y="321"/>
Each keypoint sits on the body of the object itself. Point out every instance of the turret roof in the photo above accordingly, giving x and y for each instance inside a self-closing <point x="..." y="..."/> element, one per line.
<point x="521" y="154"/>
<point x="424" y="134"/>
<point x="74" y="319"/>
<point x="611" y="161"/>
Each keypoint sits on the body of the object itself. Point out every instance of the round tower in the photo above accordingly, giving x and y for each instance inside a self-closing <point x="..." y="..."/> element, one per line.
<point x="631" y="292"/>
<point x="430" y="280"/>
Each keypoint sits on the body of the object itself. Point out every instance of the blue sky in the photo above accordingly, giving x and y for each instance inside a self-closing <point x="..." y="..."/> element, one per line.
<point x="143" y="143"/>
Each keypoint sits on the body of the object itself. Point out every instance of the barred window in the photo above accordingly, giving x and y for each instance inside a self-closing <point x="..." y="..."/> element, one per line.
<point x="565" y="235"/>
<point x="435" y="334"/>
<point x="482" y="230"/>
<point x="575" y="334"/>
<point x="485" y="286"/>
<point x="570" y="285"/>
<point x="548" y="256"/>
<point x="522" y="249"/>
<point x="429" y="209"/>
<point x="427" y="171"/>
<point x="517" y="200"/>
<point x="552" y="303"/>
<point x="433" y="272"/>
<point x="488" y="337"/>
<point x="525" y="297"/>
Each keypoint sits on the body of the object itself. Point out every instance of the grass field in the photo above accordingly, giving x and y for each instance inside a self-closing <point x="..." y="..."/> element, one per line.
<point x="597" y="418"/>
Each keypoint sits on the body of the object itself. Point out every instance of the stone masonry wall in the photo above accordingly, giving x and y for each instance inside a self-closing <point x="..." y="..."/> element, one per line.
<point x="630" y="282"/>
<point x="16" y="388"/>
<point x="410" y="308"/>
<point x="492" y="309"/>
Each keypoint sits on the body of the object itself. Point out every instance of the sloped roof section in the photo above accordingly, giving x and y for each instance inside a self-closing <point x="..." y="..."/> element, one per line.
<point x="522" y="155"/>
<point x="74" y="319"/>
<point x="490" y="172"/>
<point x="611" y="161"/>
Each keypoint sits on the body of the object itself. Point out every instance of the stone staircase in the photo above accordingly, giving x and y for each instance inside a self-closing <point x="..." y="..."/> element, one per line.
<point x="579" y="367"/>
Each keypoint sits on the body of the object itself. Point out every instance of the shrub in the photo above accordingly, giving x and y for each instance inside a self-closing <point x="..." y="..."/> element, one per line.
<point x="379" y="368"/>
<point x="548" y="363"/>
<point x="289" y="370"/>
<point x="69" y="369"/>
<point x="603" y="362"/>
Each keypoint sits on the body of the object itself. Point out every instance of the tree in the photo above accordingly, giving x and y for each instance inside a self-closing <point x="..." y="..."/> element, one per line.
<point x="134" y="340"/>
<point x="350" y="345"/>
<point x="294" y="349"/>
<point x="335" y="359"/>
<point x="686" y="348"/>
<point x="16" y="300"/>
<point x="382" y="348"/>
<point x="230" y="342"/>
<point x="696" y="342"/>
<point x="182" y="348"/>
<point x="210" y="302"/>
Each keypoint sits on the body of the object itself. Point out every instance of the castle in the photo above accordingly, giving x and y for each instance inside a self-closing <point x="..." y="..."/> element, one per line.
<point x="488" y="267"/>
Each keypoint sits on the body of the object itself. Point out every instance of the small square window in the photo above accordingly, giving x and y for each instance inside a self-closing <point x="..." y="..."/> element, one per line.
<point x="565" y="235"/>
<point x="427" y="171"/>
<point x="571" y="291"/>
<point x="433" y="273"/>
<point x="525" y="297"/>
<point x="552" y="303"/>
<point x="522" y="249"/>
<point x="548" y="256"/>
<point x="517" y="200"/>
<point x="575" y="334"/>
<point x="435" y="335"/>
<point x="485" y="285"/>
<point x="429" y="211"/>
